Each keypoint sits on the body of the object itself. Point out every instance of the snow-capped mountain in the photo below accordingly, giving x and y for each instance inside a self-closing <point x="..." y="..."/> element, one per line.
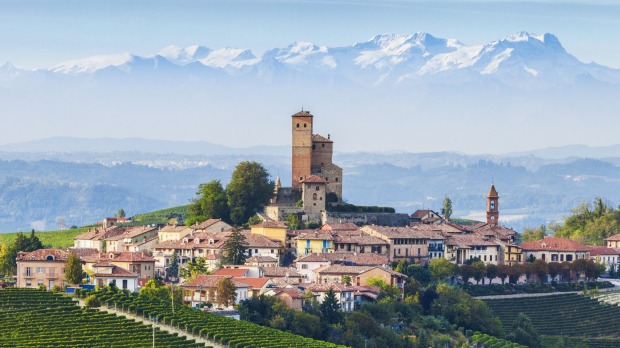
<point x="519" y="60"/>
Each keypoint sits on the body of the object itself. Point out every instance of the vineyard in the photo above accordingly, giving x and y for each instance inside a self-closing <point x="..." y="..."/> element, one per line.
<point x="234" y="333"/>
<point x="34" y="318"/>
<point x="484" y="340"/>
<point x="576" y="318"/>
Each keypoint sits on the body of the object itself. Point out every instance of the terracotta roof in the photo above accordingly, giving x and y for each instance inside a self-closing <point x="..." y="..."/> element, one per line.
<point x="444" y="227"/>
<point x="342" y="269"/>
<point x="404" y="232"/>
<point x="275" y="272"/>
<point x="116" y="272"/>
<point x="206" y="224"/>
<point x="290" y="292"/>
<point x="271" y="224"/>
<point x="601" y="250"/>
<point x="334" y="226"/>
<point x="174" y="228"/>
<point x="314" y="179"/>
<point x="360" y="259"/>
<point x="466" y="241"/>
<point x="500" y="232"/>
<point x="209" y="281"/>
<point x="418" y="214"/>
<point x="233" y="272"/>
<point x="492" y="192"/>
<point x="613" y="238"/>
<point x="358" y="238"/>
<point x="83" y="252"/>
<point x="259" y="241"/>
<point x="554" y="244"/>
<point x="57" y="255"/>
<point x="254" y="283"/>
<point x="317" y="138"/>
<point x="100" y="233"/>
<point x="315" y="235"/>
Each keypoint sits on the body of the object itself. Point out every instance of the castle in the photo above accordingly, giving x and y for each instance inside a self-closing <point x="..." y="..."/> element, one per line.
<point x="316" y="180"/>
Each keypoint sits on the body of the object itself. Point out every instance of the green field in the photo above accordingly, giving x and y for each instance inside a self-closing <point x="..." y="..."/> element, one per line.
<point x="54" y="239"/>
<point x="579" y="319"/>
<point x="161" y="216"/>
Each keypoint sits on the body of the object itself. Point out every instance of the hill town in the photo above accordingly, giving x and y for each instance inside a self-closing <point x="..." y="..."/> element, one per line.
<point x="307" y="255"/>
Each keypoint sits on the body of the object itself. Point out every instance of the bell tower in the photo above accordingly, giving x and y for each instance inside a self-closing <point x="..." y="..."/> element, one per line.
<point x="492" y="206"/>
<point x="302" y="147"/>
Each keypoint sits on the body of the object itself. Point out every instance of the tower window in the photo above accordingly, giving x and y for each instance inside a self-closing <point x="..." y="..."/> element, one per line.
<point x="314" y="196"/>
<point x="336" y="179"/>
<point x="298" y="125"/>
<point x="317" y="188"/>
<point x="313" y="147"/>
<point x="304" y="125"/>
<point x="301" y="178"/>
<point x="322" y="145"/>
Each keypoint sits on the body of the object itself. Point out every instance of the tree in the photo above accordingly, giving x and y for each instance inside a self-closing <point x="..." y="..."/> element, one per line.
<point x="234" y="248"/>
<point x="502" y="272"/>
<point x="523" y="332"/>
<point x="541" y="269"/>
<point x="533" y="234"/>
<point x="492" y="271"/>
<point x="194" y="268"/>
<point x="306" y="325"/>
<point x="248" y="189"/>
<point x="292" y="221"/>
<point x="389" y="293"/>
<point x="152" y="289"/>
<point x="346" y="280"/>
<point x="441" y="269"/>
<point x="226" y="292"/>
<point x="479" y="271"/>
<point x="73" y="269"/>
<point x="555" y="268"/>
<point x="211" y="202"/>
<point x="172" y="273"/>
<point x="121" y="213"/>
<point x="466" y="272"/>
<point x="446" y="211"/>
<point x="514" y="273"/>
<point x="8" y="264"/>
<point x="329" y="309"/>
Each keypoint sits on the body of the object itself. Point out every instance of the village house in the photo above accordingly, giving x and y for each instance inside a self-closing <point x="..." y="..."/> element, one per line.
<point x="339" y="227"/>
<point x="140" y="264"/>
<point x="291" y="297"/>
<point x="131" y="236"/>
<point x="262" y="261"/>
<point x="258" y="286"/>
<point x="204" y="289"/>
<point x="425" y="216"/>
<point x="359" y="275"/>
<point x="105" y="273"/>
<point x="173" y="232"/>
<point x="613" y="241"/>
<point x="512" y="254"/>
<point x="359" y="242"/>
<point x="344" y="294"/>
<point x="285" y="274"/>
<point x="408" y="243"/>
<point x="212" y="225"/>
<point x="314" y="241"/>
<point x="462" y="247"/>
<point x="307" y="264"/>
<point x="95" y="237"/>
<point x="610" y="257"/>
<point x="553" y="249"/>
<point x="41" y="267"/>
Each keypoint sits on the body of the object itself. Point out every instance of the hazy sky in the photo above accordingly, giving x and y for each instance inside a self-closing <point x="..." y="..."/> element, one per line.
<point x="43" y="33"/>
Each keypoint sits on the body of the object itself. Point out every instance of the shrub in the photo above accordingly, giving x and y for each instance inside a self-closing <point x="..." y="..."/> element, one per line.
<point x="92" y="301"/>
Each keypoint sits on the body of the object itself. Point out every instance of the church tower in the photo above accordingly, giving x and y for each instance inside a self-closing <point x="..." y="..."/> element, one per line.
<point x="302" y="147"/>
<point x="492" y="206"/>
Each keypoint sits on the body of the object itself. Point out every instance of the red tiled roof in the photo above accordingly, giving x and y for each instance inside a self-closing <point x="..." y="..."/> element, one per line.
<point x="360" y="259"/>
<point x="261" y="259"/>
<point x="613" y="238"/>
<point x="173" y="228"/>
<point x="418" y="214"/>
<point x="317" y="138"/>
<point x="116" y="272"/>
<point x="290" y="292"/>
<point x="254" y="283"/>
<point x="465" y="241"/>
<point x="419" y="232"/>
<point x="315" y="235"/>
<point x="336" y="287"/>
<point x="601" y="250"/>
<point x="314" y="179"/>
<point x="206" y="224"/>
<point x="57" y="255"/>
<point x="274" y="272"/>
<point x="335" y="226"/>
<point x="127" y="256"/>
<point x="554" y="244"/>
<point x="303" y="113"/>
<point x="492" y="192"/>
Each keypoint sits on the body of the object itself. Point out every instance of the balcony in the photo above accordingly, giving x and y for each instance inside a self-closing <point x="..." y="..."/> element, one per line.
<point x="28" y="274"/>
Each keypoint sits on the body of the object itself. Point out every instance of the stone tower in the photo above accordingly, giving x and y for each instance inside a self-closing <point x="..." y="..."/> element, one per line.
<point x="492" y="206"/>
<point x="302" y="147"/>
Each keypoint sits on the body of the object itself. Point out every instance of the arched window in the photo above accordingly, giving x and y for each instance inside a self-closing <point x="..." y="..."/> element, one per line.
<point x="305" y="125"/>
<point x="314" y="196"/>
<point x="317" y="188"/>
<point x="49" y="258"/>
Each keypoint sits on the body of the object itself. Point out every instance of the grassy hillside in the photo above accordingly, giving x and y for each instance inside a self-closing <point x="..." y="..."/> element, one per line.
<point x="162" y="216"/>
<point x="54" y="239"/>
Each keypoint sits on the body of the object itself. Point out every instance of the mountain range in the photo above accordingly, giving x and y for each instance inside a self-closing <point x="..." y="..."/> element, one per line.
<point x="520" y="60"/>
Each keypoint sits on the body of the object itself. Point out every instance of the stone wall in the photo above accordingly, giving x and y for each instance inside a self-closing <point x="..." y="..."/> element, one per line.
<point x="379" y="219"/>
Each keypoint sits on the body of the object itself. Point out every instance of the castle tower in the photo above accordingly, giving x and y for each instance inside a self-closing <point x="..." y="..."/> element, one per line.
<point x="302" y="147"/>
<point x="492" y="206"/>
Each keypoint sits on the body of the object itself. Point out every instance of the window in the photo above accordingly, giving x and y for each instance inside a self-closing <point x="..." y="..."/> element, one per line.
<point x="307" y="243"/>
<point x="301" y="178"/>
<point x="322" y="145"/>
<point x="28" y="283"/>
<point x="318" y="188"/>
<point x="492" y="205"/>
<point x="40" y="270"/>
<point x="336" y="179"/>
<point x="304" y="266"/>
<point x="40" y="282"/>
<point x="314" y="196"/>
<point x="298" y="125"/>
<point x="305" y="125"/>
<point x="28" y="272"/>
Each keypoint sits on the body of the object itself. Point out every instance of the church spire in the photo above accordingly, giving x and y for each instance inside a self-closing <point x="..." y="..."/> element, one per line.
<point x="493" y="206"/>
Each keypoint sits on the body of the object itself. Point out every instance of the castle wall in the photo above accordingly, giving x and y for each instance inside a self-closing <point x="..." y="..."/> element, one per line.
<point x="321" y="154"/>
<point x="302" y="147"/>
<point x="379" y="219"/>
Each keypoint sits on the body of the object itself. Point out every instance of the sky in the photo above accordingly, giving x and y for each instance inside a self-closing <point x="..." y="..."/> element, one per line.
<point x="38" y="34"/>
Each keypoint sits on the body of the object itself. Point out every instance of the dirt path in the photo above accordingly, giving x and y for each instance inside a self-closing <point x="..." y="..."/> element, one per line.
<point x="163" y="327"/>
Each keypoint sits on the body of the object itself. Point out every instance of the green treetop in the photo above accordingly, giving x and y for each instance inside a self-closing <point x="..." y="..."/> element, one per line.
<point x="234" y="248"/>
<point x="73" y="269"/>
<point x="248" y="190"/>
